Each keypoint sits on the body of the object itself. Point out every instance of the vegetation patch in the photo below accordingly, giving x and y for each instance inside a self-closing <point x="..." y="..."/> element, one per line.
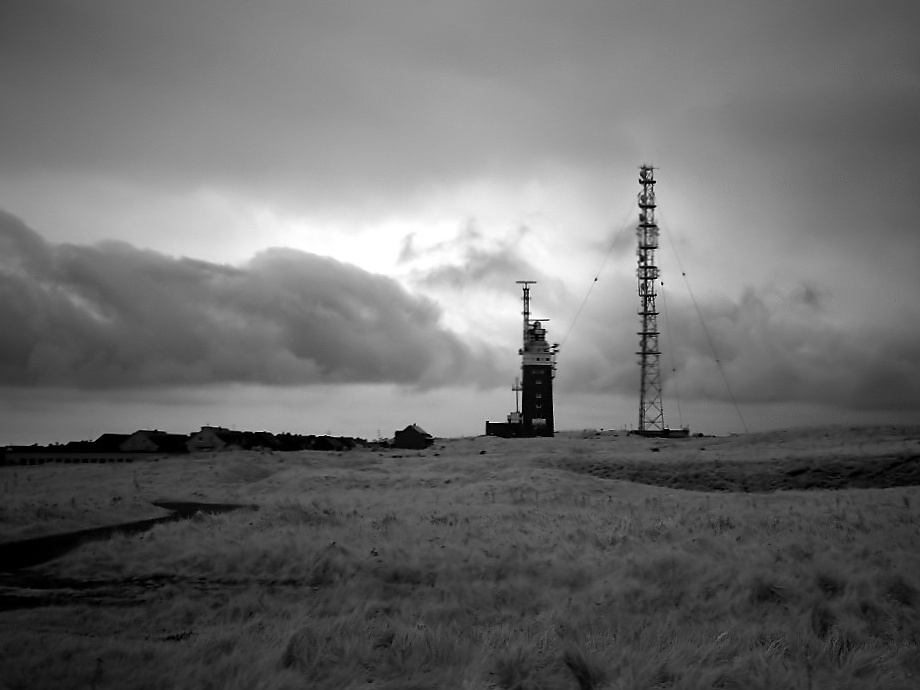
<point x="762" y="476"/>
<point x="518" y="573"/>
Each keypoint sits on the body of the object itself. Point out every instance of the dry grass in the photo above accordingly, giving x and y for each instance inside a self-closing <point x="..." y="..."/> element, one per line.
<point x="456" y="569"/>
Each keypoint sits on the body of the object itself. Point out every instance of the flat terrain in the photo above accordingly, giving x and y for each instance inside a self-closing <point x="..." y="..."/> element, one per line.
<point x="786" y="559"/>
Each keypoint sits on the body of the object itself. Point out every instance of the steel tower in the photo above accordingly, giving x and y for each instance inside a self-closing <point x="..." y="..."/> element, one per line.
<point x="651" y="412"/>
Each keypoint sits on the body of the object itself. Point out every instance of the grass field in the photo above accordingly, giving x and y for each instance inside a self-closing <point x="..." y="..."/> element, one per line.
<point x="583" y="561"/>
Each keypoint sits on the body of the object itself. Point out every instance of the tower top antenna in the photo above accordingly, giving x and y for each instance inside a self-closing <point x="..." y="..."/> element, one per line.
<point x="525" y="286"/>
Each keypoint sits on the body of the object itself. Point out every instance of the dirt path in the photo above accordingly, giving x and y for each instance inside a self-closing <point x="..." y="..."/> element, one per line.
<point x="28" y="552"/>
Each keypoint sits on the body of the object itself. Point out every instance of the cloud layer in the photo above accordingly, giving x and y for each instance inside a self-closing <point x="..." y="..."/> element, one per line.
<point x="368" y="131"/>
<point x="773" y="345"/>
<point x="323" y="103"/>
<point x="781" y="345"/>
<point x="111" y="315"/>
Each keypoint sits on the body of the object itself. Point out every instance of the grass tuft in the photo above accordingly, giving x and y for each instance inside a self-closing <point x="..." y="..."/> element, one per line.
<point x="589" y="673"/>
<point x="764" y="590"/>
<point x="900" y="591"/>
<point x="514" y="669"/>
<point x="823" y="621"/>
<point x="830" y="584"/>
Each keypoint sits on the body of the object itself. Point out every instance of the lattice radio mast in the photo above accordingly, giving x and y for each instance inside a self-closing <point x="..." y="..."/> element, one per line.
<point x="651" y="411"/>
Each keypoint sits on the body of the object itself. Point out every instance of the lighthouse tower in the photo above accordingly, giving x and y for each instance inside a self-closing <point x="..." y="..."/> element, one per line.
<point x="538" y="368"/>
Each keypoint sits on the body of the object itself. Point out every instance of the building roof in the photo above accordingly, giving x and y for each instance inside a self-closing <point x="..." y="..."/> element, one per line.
<point x="110" y="442"/>
<point x="169" y="442"/>
<point x="416" y="429"/>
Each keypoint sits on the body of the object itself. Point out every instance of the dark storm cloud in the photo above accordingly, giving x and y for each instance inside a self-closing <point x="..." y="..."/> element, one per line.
<point x="844" y="157"/>
<point x="317" y="102"/>
<point x="774" y="345"/>
<point x="349" y="65"/>
<point x="778" y="345"/>
<point x="111" y="315"/>
<point x="312" y="100"/>
<point x="335" y="103"/>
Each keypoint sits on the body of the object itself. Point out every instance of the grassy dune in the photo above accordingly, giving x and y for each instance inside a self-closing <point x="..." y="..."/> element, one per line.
<point x="517" y="567"/>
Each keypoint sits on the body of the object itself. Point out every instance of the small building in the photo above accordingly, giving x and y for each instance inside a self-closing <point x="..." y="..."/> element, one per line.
<point x="503" y="429"/>
<point x="109" y="443"/>
<point x="328" y="443"/>
<point x="412" y="437"/>
<point x="154" y="441"/>
<point x="212" y="438"/>
<point x="261" y="440"/>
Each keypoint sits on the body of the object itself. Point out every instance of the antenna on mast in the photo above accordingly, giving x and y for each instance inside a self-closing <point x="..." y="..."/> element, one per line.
<point x="526" y="287"/>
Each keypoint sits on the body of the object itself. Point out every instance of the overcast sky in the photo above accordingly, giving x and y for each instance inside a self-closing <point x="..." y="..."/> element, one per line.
<point x="309" y="217"/>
